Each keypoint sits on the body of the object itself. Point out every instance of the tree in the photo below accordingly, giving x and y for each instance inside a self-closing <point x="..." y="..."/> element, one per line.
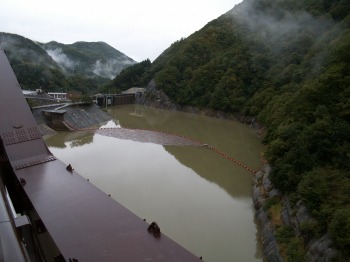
<point x="340" y="229"/>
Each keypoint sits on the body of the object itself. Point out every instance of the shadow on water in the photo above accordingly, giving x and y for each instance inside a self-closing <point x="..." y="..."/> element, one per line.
<point x="214" y="168"/>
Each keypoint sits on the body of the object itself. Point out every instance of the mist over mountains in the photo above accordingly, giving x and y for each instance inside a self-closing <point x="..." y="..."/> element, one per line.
<point x="88" y="58"/>
<point x="54" y="66"/>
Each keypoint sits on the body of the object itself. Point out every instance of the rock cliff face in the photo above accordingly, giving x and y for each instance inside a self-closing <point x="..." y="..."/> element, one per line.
<point x="318" y="249"/>
<point x="262" y="191"/>
<point x="156" y="98"/>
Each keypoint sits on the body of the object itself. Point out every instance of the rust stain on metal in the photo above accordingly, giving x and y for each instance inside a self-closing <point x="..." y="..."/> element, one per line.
<point x="84" y="222"/>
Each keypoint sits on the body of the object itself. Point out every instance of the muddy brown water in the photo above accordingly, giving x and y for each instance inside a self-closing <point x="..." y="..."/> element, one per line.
<point x="148" y="136"/>
<point x="198" y="198"/>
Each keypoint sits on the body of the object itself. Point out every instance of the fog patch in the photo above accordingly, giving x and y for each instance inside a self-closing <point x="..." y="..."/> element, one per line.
<point x="276" y="25"/>
<point x="17" y="50"/>
<point x="282" y="33"/>
<point x="110" y="68"/>
<point x="61" y="59"/>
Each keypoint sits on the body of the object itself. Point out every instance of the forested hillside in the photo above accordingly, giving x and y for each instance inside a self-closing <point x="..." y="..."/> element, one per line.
<point x="287" y="63"/>
<point x="88" y="58"/>
<point x="82" y="66"/>
<point x="129" y="77"/>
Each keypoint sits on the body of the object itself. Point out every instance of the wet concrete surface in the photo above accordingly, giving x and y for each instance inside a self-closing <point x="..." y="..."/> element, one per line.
<point x="78" y="116"/>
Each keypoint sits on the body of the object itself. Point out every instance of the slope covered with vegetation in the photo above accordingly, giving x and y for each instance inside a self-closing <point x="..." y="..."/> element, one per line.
<point x="129" y="77"/>
<point x="82" y="66"/>
<point x="88" y="58"/>
<point x="287" y="63"/>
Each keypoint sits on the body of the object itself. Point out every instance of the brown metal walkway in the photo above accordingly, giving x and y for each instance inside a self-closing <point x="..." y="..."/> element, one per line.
<point x="85" y="223"/>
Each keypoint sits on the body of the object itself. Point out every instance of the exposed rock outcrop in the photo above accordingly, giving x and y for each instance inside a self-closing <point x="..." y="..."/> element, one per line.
<point x="320" y="250"/>
<point x="263" y="191"/>
<point x="156" y="98"/>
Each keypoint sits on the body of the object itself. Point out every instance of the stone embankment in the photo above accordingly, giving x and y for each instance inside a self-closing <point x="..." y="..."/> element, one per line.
<point x="61" y="117"/>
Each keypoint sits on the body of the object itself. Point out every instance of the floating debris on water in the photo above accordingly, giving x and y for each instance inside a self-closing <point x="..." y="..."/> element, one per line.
<point x="147" y="136"/>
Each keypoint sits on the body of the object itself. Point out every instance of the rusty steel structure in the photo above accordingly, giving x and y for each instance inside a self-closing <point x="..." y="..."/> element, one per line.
<point x="69" y="219"/>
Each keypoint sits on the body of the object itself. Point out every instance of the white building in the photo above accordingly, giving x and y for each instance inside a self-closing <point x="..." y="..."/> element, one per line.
<point x="58" y="95"/>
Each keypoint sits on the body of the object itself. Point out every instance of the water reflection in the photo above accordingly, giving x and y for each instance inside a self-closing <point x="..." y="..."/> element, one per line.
<point x="198" y="198"/>
<point x="215" y="169"/>
<point x="233" y="138"/>
<point x="74" y="139"/>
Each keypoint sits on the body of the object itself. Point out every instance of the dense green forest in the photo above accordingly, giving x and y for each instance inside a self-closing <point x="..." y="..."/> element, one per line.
<point x="286" y="63"/>
<point x="129" y="77"/>
<point x="82" y="66"/>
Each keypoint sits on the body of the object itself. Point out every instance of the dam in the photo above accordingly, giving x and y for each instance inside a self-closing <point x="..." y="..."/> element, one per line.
<point x="50" y="212"/>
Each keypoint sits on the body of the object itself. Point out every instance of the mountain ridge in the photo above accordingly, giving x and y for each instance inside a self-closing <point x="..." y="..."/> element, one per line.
<point x="98" y="57"/>
<point x="55" y="66"/>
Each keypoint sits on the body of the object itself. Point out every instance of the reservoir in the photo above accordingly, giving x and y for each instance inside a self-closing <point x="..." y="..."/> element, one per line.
<point x="199" y="198"/>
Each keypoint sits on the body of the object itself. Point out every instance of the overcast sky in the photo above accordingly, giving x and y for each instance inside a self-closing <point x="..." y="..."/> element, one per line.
<point x="138" y="28"/>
